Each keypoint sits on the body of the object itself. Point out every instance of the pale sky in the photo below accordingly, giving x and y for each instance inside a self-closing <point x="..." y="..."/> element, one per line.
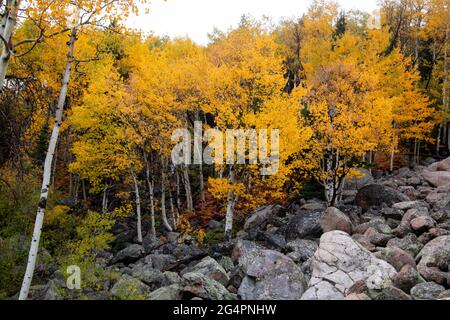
<point x="197" y="18"/>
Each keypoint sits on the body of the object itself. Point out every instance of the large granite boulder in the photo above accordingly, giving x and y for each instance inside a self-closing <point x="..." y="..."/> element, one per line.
<point x="339" y="263"/>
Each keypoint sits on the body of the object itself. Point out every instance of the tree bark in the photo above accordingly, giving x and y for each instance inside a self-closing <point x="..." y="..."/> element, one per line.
<point x="444" y="88"/>
<point x="187" y="188"/>
<point x="10" y="22"/>
<point x="105" y="199"/>
<point x="231" y="200"/>
<point x="173" y="214"/>
<point x="138" y="205"/>
<point x="151" y="192"/>
<point x="47" y="172"/>
<point x="198" y="150"/>
<point x="163" y="197"/>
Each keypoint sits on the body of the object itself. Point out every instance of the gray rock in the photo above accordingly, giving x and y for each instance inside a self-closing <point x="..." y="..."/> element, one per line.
<point x="422" y="224"/>
<point x="406" y="205"/>
<point x="301" y="250"/>
<point x="339" y="263"/>
<point x="304" y="225"/>
<point x="159" y="261"/>
<point x="213" y="224"/>
<point x="376" y="195"/>
<point x="272" y="276"/>
<point x="434" y="260"/>
<point x="392" y="213"/>
<point x="313" y="205"/>
<point x="407" y="278"/>
<point x="273" y="240"/>
<point x="226" y="263"/>
<point x="409" y="243"/>
<point x="151" y="244"/>
<point x="377" y="238"/>
<point x="426" y="291"/>
<point x="172" y="292"/>
<point x="261" y="217"/>
<point x="153" y="277"/>
<point x="334" y="219"/>
<point x="173" y="237"/>
<point x="392" y="293"/>
<point x="198" y="285"/>
<point x="52" y="291"/>
<point x="212" y="269"/>
<point x="130" y="288"/>
<point x="445" y="295"/>
<point x="378" y="224"/>
<point x="396" y="257"/>
<point x="129" y="255"/>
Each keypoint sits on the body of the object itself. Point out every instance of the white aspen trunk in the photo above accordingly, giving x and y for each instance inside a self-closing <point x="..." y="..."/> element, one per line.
<point x="83" y="189"/>
<point x="187" y="188"/>
<point x="163" y="198"/>
<point x="77" y="188"/>
<point x="391" y="164"/>
<point x="444" y="87"/>
<point x="438" y="141"/>
<point x="178" y="189"/>
<point x="415" y="152"/>
<point x="28" y="277"/>
<point x="220" y="171"/>
<point x="172" y="211"/>
<point x="231" y="199"/>
<point x="329" y="180"/>
<point x="394" y="142"/>
<point x="200" y="175"/>
<point x="151" y="195"/>
<point x="341" y="191"/>
<point x="105" y="199"/>
<point x="138" y="206"/>
<point x="10" y="21"/>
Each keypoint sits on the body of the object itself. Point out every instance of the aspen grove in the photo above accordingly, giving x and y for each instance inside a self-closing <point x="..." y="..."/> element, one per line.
<point x="88" y="108"/>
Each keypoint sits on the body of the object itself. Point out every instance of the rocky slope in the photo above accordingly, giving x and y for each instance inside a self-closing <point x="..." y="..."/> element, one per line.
<point x="389" y="240"/>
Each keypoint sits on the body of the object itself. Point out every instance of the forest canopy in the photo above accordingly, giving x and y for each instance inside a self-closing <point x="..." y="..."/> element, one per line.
<point x="88" y="108"/>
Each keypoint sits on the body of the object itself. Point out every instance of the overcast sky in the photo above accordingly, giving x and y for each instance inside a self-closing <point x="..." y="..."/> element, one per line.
<point x="197" y="18"/>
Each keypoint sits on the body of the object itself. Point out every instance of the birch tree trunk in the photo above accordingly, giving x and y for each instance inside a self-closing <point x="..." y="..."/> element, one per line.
<point x="178" y="189"/>
<point x="151" y="191"/>
<point x="173" y="214"/>
<point x="105" y="200"/>
<point x="138" y="205"/>
<point x="7" y="32"/>
<point x="198" y="150"/>
<point x="10" y="22"/>
<point x="187" y="188"/>
<point x="444" y="87"/>
<point x="230" y="206"/>
<point x="47" y="172"/>
<point x="163" y="198"/>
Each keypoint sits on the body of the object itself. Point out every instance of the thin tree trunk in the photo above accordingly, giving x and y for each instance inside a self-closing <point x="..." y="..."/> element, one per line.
<point x="83" y="188"/>
<point x="172" y="211"/>
<point x="444" y="88"/>
<point x="151" y="192"/>
<point x="231" y="199"/>
<point x="198" y="150"/>
<point x="105" y="199"/>
<point x="187" y="188"/>
<point x="178" y="189"/>
<point x="7" y="32"/>
<point x="138" y="205"/>
<point x="47" y="172"/>
<point x="163" y="197"/>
